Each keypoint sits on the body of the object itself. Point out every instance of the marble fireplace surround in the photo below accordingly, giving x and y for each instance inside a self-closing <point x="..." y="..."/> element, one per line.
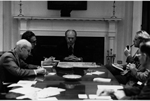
<point x="85" y="27"/>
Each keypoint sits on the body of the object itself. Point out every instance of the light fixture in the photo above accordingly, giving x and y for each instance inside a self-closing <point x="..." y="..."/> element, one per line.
<point x="20" y="9"/>
<point x="114" y="10"/>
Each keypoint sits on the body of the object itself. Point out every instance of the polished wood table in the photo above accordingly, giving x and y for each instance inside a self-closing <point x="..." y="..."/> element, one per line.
<point x="73" y="88"/>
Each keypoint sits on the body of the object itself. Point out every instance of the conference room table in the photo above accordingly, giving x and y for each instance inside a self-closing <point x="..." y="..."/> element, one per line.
<point x="84" y="88"/>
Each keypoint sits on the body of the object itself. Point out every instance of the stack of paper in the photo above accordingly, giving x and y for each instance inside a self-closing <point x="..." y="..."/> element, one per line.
<point x="38" y="93"/>
<point x="33" y="92"/>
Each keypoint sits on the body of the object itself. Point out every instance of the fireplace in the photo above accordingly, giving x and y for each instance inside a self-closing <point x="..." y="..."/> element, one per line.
<point x="98" y="34"/>
<point x="94" y="49"/>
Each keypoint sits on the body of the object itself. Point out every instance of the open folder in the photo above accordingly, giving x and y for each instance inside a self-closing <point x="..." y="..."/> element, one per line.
<point x="117" y="66"/>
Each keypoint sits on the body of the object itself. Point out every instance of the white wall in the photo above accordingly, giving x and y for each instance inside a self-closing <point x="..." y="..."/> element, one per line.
<point x="100" y="9"/>
<point x="1" y="26"/>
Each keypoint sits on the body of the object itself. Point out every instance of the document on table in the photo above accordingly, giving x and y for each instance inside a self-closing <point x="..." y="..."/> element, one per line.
<point x="115" y="87"/>
<point x="96" y="73"/>
<point x="38" y="93"/>
<point x="47" y="66"/>
<point x="26" y="82"/>
<point x="25" y="90"/>
<point x="77" y="64"/>
<point x="98" y="79"/>
<point x="50" y="91"/>
<point x="83" y="96"/>
<point x="93" y="96"/>
<point x="23" y="83"/>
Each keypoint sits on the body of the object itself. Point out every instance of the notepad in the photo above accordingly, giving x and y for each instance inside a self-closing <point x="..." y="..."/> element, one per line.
<point x="117" y="66"/>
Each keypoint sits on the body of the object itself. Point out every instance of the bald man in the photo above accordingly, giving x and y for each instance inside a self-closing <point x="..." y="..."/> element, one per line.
<point x="12" y="65"/>
<point x="70" y="50"/>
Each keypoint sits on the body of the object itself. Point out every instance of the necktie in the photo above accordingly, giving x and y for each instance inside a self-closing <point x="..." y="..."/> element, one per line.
<point x="70" y="50"/>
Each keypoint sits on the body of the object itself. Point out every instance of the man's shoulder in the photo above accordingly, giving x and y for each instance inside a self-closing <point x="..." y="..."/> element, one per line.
<point x="7" y="54"/>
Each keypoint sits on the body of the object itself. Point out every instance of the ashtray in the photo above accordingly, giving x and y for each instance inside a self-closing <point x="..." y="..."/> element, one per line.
<point x="72" y="77"/>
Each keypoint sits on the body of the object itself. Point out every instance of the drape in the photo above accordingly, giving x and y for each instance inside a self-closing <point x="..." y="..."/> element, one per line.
<point x="146" y="16"/>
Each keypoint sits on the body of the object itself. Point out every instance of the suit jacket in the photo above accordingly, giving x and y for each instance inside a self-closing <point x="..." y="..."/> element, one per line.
<point x="137" y="74"/>
<point x="142" y="92"/>
<point x="36" y="56"/>
<point x="11" y="67"/>
<point x="63" y="51"/>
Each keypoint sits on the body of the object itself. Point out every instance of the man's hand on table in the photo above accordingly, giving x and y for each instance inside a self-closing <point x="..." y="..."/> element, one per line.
<point x="108" y="92"/>
<point x="40" y="71"/>
<point x="105" y="92"/>
<point x="49" y="61"/>
<point x="73" y="58"/>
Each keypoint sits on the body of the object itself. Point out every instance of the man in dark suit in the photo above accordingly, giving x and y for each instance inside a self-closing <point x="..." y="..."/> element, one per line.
<point x="70" y="50"/>
<point x="36" y="52"/>
<point x="12" y="65"/>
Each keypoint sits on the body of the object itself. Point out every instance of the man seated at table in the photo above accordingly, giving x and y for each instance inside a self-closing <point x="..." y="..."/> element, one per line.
<point x="143" y="91"/>
<point x="70" y="50"/>
<point x="126" y="75"/>
<point x="12" y="65"/>
<point x="36" y="52"/>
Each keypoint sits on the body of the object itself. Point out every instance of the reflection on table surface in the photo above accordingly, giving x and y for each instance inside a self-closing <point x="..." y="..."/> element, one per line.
<point x="76" y="89"/>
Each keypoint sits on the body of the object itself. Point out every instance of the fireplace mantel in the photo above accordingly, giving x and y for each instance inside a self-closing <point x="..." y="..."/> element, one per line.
<point x="65" y="18"/>
<point x="85" y="27"/>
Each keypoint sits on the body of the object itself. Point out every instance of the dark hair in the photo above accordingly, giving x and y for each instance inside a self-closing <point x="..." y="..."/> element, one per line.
<point x="71" y="30"/>
<point x="145" y="48"/>
<point x="27" y="35"/>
